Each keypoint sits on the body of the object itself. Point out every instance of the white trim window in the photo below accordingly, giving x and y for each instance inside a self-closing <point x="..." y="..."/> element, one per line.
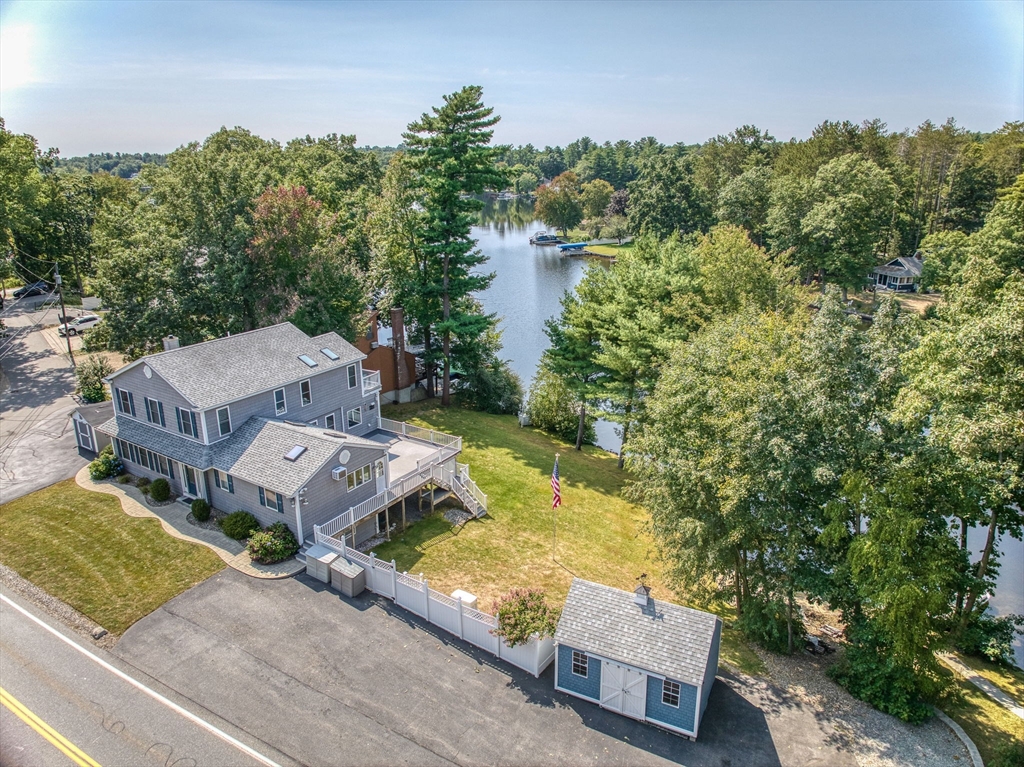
<point x="126" y="402"/>
<point x="154" y="411"/>
<point x="224" y="421"/>
<point x="305" y="393"/>
<point x="187" y="422"/>
<point x="224" y="481"/>
<point x="354" y="417"/>
<point x="329" y="421"/>
<point x="670" y="693"/>
<point x="352" y="377"/>
<point x="280" y="403"/>
<point x="579" y="663"/>
<point x="360" y="476"/>
<point x="271" y="500"/>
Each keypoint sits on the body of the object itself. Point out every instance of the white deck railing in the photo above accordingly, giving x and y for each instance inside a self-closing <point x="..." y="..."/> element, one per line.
<point x="418" y="432"/>
<point x="371" y="381"/>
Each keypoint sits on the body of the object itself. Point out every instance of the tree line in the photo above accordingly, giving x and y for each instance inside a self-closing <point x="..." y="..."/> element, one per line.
<point x="783" y="449"/>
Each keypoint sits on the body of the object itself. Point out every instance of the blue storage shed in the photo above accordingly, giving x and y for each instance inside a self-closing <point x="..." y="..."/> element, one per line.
<point x="640" y="657"/>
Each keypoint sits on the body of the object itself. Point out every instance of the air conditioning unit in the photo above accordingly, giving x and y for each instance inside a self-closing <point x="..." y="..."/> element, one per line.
<point x="338" y="473"/>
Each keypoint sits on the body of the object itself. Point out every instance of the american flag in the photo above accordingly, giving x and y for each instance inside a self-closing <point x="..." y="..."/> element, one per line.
<point x="556" y="487"/>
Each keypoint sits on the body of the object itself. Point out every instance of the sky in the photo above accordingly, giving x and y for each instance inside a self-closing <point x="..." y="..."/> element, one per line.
<point x="150" y="76"/>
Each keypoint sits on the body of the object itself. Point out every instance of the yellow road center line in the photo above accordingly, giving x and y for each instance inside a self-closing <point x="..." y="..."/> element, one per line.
<point x="69" y="749"/>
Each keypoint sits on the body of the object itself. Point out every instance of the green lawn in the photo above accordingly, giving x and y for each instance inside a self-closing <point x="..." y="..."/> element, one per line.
<point x="81" y="547"/>
<point x="600" y="536"/>
<point x="1009" y="680"/>
<point x="610" y="250"/>
<point x="988" y="724"/>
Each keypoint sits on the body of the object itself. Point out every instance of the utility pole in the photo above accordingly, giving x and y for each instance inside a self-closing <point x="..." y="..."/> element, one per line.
<point x="63" y="313"/>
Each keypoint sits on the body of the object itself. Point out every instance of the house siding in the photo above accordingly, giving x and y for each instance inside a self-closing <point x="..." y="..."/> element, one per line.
<point x="712" y="667"/>
<point x="330" y="394"/>
<point x="155" y="388"/>
<point x="138" y="470"/>
<point x="658" y="712"/>
<point x="587" y="687"/>
<point x="247" y="498"/>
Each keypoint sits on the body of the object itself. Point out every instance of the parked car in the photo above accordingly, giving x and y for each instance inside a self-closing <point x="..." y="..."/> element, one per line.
<point x="35" y="289"/>
<point x="80" y="324"/>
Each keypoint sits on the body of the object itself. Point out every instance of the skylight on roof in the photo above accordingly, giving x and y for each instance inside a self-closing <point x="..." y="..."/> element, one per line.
<point x="330" y="355"/>
<point x="293" y="454"/>
<point x="308" y="360"/>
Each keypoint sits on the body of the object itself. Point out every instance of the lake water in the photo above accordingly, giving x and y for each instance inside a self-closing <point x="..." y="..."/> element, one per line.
<point x="529" y="282"/>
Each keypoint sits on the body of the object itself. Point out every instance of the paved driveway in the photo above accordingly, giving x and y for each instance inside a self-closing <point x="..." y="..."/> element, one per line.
<point x="37" y="439"/>
<point x="329" y="680"/>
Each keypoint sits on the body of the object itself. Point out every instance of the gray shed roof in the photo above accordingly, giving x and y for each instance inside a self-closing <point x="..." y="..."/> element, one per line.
<point x="662" y="637"/>
<point x="256" y="453"/>
<point x="159" y="440"/>
<point x="97" y="414"/>
<point x="227" y="369"/>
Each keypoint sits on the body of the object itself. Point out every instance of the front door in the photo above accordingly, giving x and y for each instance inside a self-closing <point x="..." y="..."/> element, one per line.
<point x="190" y="482"/>
<point x="84" y="437"/>
<point x="623" y="690"/>
<point x="382" y="480"/>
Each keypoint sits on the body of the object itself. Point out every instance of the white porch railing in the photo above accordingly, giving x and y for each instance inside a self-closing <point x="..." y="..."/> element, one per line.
<point x="414" y="594"/>
<point x="371" y="381"/>
<point x="418" y="432"/>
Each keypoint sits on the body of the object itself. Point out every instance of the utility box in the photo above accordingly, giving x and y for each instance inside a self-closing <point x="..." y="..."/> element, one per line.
<point x="347" y="578"/>
<point x="318" y="562"/>
<point x="468" y="600"/>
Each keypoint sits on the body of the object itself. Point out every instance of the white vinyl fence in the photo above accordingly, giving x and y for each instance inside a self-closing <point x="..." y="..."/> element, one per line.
<point x="415" y="595"/>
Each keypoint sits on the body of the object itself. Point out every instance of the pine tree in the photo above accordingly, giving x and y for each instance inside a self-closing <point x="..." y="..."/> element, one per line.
<point x="451" y="154"/>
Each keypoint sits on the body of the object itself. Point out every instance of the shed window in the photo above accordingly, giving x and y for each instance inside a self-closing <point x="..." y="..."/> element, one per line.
<point x="670" y="693"/>
<point x="579" y="663"/>
<point x="224" y="420"/>
<point x="351" y="376"/>
<point x="280" y="405"/>
<point x="307" y="394"/>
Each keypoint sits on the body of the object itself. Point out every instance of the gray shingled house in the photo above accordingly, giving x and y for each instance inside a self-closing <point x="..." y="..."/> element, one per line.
<point x="640" y="657"/>
<point x="282" y="425"/>
<point x="902" y="274"/>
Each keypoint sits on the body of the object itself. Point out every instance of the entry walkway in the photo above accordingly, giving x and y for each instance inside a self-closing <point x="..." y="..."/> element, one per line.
<point x="173" y="519"/>
<point x="972" y="676"/>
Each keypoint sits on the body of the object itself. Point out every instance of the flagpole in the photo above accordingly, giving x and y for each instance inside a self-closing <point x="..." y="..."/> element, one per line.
<point x="554" y="523"/>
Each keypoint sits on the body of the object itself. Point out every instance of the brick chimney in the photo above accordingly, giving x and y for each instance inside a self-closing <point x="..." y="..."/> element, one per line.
<point x="402" y="377"/>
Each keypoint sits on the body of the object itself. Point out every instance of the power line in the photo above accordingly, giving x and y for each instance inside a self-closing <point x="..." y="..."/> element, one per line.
<point x="19" y="332"/>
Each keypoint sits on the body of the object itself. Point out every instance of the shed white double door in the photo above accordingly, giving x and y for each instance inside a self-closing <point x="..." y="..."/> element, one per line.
<point x="623" y="690"/>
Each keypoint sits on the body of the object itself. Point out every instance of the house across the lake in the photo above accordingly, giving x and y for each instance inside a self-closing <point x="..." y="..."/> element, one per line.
<point x="282" y="425"/>
<point x="901" y="274"/>
<point x="640" y="657"/>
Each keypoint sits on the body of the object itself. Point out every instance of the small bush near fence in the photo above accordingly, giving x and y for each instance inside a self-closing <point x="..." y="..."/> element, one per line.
<point x="200" y="510"/>
<point x="106" y="465"/>
<point x="160" y="490"/>
<point x="239" y="525"/>
<point x="272" y="545"/>
<point x="523" y="613"/>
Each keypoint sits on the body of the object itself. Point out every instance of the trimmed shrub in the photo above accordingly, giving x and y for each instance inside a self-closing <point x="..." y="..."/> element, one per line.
<point x="272" y="545"/>
<point x="143" y="484"/>
<point x="523" y="613"/>
<point x="200" y="510"/>
<point x="106" y="465"/>
<point x="239" y="525"/>
<point x="124" y="479"/>
<point x="160" y="490"/>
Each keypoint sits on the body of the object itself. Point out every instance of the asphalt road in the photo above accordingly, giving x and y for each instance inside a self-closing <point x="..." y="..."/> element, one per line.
<point x="97" y="714"/>
<point x="37" y="439"/>
<point x="336" y="681"/>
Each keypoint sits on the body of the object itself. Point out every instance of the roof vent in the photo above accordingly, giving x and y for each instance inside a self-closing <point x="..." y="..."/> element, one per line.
<point x="308" y="360"/>
<point x="293" y="454"/>
<point x="642" y="592"/>
<point x="330" y="355"/>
